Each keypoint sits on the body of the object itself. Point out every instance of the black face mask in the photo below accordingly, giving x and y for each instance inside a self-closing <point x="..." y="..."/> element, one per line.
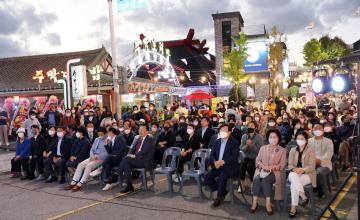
<point x="166" y="128"/>
<point x="347" y="123"/>
<point x="251" y="130"/>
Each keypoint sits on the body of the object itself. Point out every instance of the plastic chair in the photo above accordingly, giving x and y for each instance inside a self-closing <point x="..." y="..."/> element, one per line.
<point x="308" y="190"/>
<point x="143" y="176"/>
<point x="203" y="155"/>
<point x="167" y="168"/>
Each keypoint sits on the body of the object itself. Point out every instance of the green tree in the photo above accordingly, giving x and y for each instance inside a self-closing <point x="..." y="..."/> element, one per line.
<point x="324" y="48"/>
<point x="234" y="64"/>
<point x="293" y="91"/>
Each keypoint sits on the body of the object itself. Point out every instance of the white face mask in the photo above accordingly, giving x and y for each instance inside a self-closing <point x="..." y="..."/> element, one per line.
<point x="196" y="123"/>
<point x="73" y="111"/>
<point x="77" y="134"/>
<point x="68" y="114"/>
<point x="190" y="131"/>
<point x="90" y="129"/>
<point x="318" y="133"/>
<point x="214" y="119"/>
<point x="153" y="129"/>
<point x="109" y="138"/>
<point x="33" y="117"/>
<point x="21" y="135"/>
<point x="51" y="133"/>
<point x="301" y="142"/>
<point x="298" y="126"/>
<point x="257" y="119"/>
<point x="223" y="134"/>
<point x="127" y="131"/>
<point x="327" y="129"/>
<point x="60" y="134"/>
<point x="273" y="141"/>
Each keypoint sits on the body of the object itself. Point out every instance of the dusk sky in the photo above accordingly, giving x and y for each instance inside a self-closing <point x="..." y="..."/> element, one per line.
<point x="50" y="26"/>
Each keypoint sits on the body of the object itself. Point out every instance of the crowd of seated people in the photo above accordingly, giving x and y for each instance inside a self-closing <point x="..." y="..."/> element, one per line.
<point x="273" y="140"/>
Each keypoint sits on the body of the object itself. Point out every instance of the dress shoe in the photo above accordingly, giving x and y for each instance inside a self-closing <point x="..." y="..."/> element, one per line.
<point x="128" y="188"/>
<point x="216" y="203"/>
<point x="31" y="177"/>
<point x="76" y="188"/>
<point x="62" y="180"/>
<point x="269" y="212"/>
<point x="69" y="187"/>
<point x="51" y="179"/>
<point x="24" y="177"/>
<point x="16" y="175"/>
<point x="251" y="210"/>
<point x="292" y="214"/>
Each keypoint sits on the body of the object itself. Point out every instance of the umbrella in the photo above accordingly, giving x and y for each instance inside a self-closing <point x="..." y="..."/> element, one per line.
<point x="198" y="95"/>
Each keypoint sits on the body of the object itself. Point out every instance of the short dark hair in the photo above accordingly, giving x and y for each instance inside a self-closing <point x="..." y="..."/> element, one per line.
<point x="206" y="118"/>
<point x="193" y="126"/>
<point x="101" y="129"/>
<point x="155" y="123"/>
<point x="32" y="113"/>
<point x="113" y="130"/>
<point x="303" y="133"/>
<point x="144" y="125"/>
<point x="254" y="123"/>
<point x="72" y="127"/>
<point x="82" y="130"/>
<point x="35" y="126"/>
<point x="225" y="125"/>
<point x="275" y="131"/>
<point x="61" y="127"/>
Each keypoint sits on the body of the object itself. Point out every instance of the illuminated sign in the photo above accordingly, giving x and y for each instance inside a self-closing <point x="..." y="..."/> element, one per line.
<point x="257" y="60"/>
<point x="149" y="51"/>
<point x="52" y="74"/>
<point x="95" y="72"/>
<point x="78" y="81"/>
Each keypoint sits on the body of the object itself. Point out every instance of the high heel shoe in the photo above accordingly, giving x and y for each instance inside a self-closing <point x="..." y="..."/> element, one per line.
<point x="292" y="214"/>
<point x="269" y="212"/>
<point x="253" y="210"/>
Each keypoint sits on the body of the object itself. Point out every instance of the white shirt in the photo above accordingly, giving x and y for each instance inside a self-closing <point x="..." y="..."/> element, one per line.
<point x="58" y="152"/>
<point x="222" y="148"/>
<point x="203" y="132"/>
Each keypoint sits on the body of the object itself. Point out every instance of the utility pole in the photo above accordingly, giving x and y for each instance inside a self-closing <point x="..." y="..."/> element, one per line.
<point x="114" y="62"/>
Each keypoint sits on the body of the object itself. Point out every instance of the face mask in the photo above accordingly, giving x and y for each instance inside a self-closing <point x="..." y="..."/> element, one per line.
<point x="21" y="135"/>
<point x="32" y="117"/>
<point x="68" y="114"/>
<point x="73" y="111"/>
<point x="266" y="113"/>
<point x="196" y="123"/>
<point x="257" y="119"/>
<point x="109" y="138"/>
<point x="190" y="131"/>
<point x="301" y="142"/>
<point x="271" y="124"/>
<point x="59" y="134"/>
<point x="214" y="119"/>
<point x="322" y="121"/>
<point x="302" y="120"/>
<point x="310" y="126"/>
<point x="223" y="134"/>
<point x="153" y="129"/>
<point x="327" y="129"/>
<point x="318" y="133"/>
<point x="127" y="131"/>
<point x="273" y="141"/>
<point x="77" y="134"/>
<point x="51" y="133"/>
<point x="121" y="129"/>
<point x="86" y="113"/>
<point x="90" y="129"/>
<point x="297" y="127"/>
<point x="251" y="130"/>
<point x="166" y="128"/>
<point x="285" y="117"/>
<point x="182" y="121"/>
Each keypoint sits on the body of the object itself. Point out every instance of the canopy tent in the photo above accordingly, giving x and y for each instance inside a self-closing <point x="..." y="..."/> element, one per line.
<point x="198" y="95"/>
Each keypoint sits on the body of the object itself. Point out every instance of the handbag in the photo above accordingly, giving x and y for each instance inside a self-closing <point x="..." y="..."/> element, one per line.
<point x="263" y="174"/>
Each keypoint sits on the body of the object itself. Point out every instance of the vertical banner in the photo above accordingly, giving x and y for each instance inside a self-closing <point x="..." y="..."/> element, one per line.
<point x="78" y="81"/>
<point x="129" y="5"/>
<point x="257" y="60"/>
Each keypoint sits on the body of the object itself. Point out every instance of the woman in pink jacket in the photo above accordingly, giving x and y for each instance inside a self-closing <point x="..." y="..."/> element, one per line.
<point x="270" y="162"/>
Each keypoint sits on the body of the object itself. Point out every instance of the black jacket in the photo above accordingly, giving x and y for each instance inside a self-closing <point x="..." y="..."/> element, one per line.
<point x="167" y="136"/>
<point x="57" y="118"/>
<point x="146" y="153"/>
<point x="81" y="149"/>
<point x="207" y="136"/>
<point x="37" y="146"/>
<point x="120" y="148"/>
<point x="65" y="148"/>
<point x="230" y="156"/>
<point x="193" y="143"/>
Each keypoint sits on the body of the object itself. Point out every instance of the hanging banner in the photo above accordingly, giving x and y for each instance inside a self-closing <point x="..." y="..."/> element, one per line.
<point x="257" y="60"/>
<point x="78" y="81"/>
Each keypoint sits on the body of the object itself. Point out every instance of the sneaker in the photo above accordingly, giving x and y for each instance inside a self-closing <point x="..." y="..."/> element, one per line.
<point x="62" y="180"/>
<point x="107" y="187"/>
<point x="239" y="190"/>
<point x="7" y="144"/>
<point x="128" y="188"/>
<point x="96" y="172"/>
<point x="40" y="178"/>
<point x="175" y="178"/>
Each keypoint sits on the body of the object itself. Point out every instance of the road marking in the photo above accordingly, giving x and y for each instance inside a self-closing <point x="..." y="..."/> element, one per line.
<point x="118" y="195"/>
<point x="341" y="195"/>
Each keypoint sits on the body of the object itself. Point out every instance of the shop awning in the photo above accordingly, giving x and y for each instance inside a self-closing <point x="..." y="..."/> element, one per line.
<point x="198" y="95"/>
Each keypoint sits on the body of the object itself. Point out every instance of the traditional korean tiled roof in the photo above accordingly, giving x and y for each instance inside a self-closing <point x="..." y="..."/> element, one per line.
<point x="16" y="73"/>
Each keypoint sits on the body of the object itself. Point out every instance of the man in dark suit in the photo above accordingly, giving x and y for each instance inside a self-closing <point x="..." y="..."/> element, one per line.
<point x="224" y="156"/>
<point x="60" y="154"/>
<point x="91" y="132"/>
<point x="117" y="149"/>
<point x="37" y="147"/>
<point x="141" y="155"/>
<point x="205" y="132"/>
